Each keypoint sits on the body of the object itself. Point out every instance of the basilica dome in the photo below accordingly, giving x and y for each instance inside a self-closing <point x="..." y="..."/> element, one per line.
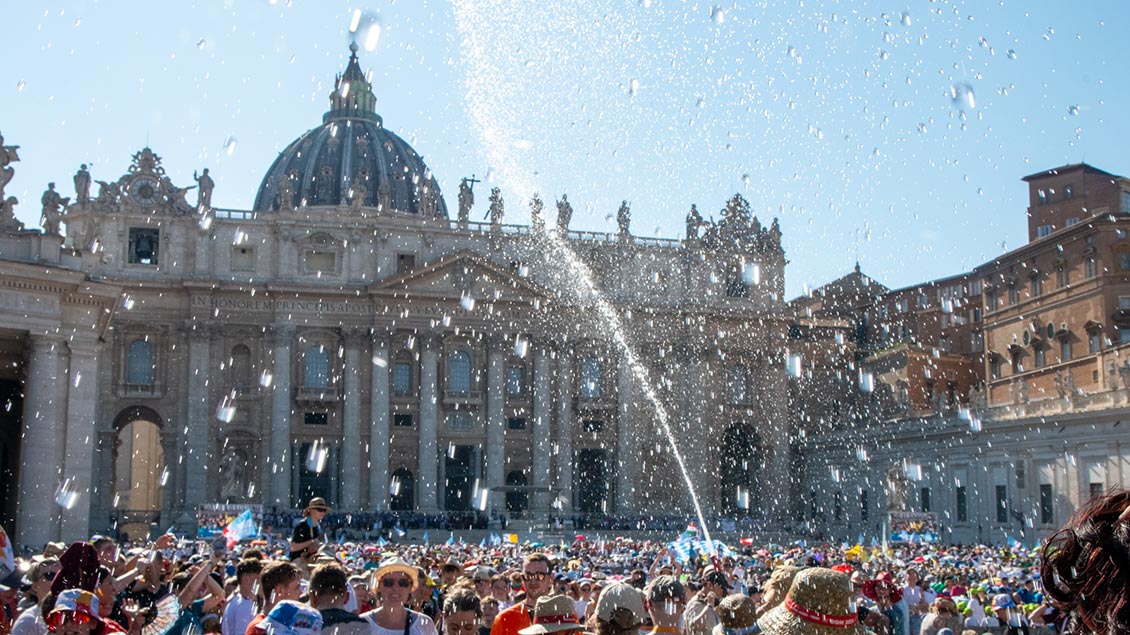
<point x="351" y="159"/>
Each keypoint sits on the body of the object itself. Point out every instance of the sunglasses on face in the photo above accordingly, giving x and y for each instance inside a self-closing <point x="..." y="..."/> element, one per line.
<point x="66" y="617"/>
<point x="466" y="627"/>
<point x="403" y="583"/>
<point x="535" y="575"/>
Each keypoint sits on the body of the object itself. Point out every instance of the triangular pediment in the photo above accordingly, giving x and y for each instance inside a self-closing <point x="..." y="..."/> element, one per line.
<point x="464" y="273"/>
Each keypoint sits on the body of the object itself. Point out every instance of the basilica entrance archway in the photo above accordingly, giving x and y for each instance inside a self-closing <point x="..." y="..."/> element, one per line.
<point x="139" y="470"/>
<point x="742" y="459"/>
<point x="591" y="474"/>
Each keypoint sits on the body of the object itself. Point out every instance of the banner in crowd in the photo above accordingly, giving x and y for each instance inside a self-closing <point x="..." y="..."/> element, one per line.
<point x="914" y="527"/>
<point x="212" y="519"/>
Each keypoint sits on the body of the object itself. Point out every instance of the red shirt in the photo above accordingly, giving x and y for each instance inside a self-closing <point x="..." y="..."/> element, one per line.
<point x="253" y="625"/>
<point x="510" y="621"/>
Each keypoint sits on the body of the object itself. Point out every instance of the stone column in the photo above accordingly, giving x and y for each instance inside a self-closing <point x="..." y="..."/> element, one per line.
<point x="775" y="476"/>
<point x="626" y="446"/>
<point x="565" y="428"/>
<point x="42" y="448"/>
<point x="199" y="415"/>
<point x="379" y="422"/>
<point x="496" y="420"/>
<point x="351" y="421"/>
<point x="426" y="450"/>
<point x="541" y="430"/>
<point x="82" y="412"/>
<point x="696" y="440"/>
<point x="278" y="474"/>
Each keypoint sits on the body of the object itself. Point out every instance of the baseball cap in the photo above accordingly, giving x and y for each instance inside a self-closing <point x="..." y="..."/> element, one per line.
<point x="620" y="596"/>
<point x="292" y="618"/>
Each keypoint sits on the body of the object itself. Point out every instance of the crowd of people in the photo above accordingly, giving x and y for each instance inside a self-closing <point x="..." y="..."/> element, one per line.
<point x="1077" y="582"/>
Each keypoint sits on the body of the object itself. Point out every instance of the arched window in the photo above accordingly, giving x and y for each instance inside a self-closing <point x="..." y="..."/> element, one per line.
<point x="590" y="378"/>
<point x="402" y="491"/>
<point x="241" y="366"/>
<point x="738" y="385"/>
<point x="139" y="363"/>
<point x="459" y="372"/>
<point x="317" y="367"/>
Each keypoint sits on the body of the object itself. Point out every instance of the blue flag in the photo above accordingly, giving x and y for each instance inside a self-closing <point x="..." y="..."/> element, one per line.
<point x="241" y="527"/>
<point x="451" y="539"/>
<point x="426" y="538"/>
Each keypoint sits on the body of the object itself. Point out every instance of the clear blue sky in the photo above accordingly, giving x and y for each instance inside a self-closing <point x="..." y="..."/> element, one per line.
<point x="835" y="116"/>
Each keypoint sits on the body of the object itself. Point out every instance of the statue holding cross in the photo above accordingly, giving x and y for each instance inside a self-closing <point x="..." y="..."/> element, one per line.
<point x="466" y="198"/>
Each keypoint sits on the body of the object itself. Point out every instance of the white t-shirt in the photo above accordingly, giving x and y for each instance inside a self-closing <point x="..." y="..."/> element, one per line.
<point x="237" y="614"/>
<point x="30" y="622"/>
<point x="421" y="625"/>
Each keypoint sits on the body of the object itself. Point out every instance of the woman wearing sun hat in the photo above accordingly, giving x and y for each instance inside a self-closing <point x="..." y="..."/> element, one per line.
<point x="308" y="533"/>
<point x="819" y="603"/>
<point x="393" y="584"/>
<point x="75" y="613"/>
<point x="554" y="614"/>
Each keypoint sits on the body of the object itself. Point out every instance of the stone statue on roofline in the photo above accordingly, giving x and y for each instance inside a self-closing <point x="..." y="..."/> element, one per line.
<point x="52" y="210"/>
<point x="8" y="155"/>
<point x="497" y="209"/>
<point x="206" y="185"/>
<point x="624" y="220"/>
<point x="384" y="196"/>
<point x="466" y="200"/>
<point x="8" y="220"/>
<point x="284" y="195"/>
<point x="694" y="222"/>
<point x="357" y="191"/>
<point x="82" y="184"/>
<point x="564" y="214"/>
<point x="537" y="220"/>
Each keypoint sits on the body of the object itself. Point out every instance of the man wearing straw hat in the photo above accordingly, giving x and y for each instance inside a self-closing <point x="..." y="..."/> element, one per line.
<point x="308" y="533"/>
<point x="819" y="603"/>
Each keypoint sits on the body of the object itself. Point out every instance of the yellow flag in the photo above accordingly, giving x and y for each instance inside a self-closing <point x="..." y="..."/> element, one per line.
<point x="513" y="538"/>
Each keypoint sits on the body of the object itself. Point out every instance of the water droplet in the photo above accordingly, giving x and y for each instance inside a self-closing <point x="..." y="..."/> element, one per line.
<point x="861" y="454"/>
<point x="380" y="361"/>
<point x="745" y="180"/>
<point x="961" y="95"/>
<point x="266" y="378"/>
<point x="164" y="477"/>
<point x="913" y="471"/>
<point x="751" y="273"/>
<point x="202" y="44"/>
<point x="226" y="410"/>
<point x="906" y="18"/>
<point x="65" y="495"/>
<point x="1011" y="54"/>
<point x="372" y="36"/>
<point x="795" y="364"/>
<point x="229" y="144"/>
<point x="316" y="457"/>
<point x="718" y="15"/>
<point x="866" y="382"/>
<point x="78" y="378"/>
<point x="1073" y="110"/>
<point x="701" y="103"/>
<point x="921" y="127"/>
<point x="20" y="85"/>
<point x="633" y="86"/>
<point x="521" y="346"/>
<point x="127" y="302"/>
<point x="467" y="302"/>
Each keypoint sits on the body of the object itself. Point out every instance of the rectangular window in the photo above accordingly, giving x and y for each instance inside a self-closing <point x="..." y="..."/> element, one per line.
<point x="1090" y="268"/>
<point x="1039" y="355"/>
<point x="962" y="504"/>
<point x="995" y="368"/>
<point x="1125" y="201"/>
<point x="405" y="262"/>
<point x="975" y="287"/>
<point x="944" y="344"/>
<point x="1097" y="489"/>
<point x="1013" y="296"/>
<point x="316" y="419"/>
<point x="1035" y="287"/>
<point x="402" y="421"/>
<point x="924" y="499"/>
<point x="516" y="423"/>
<point x="977" y="342"/>
<point x="1094" y="342"/>
<point x="1043" y="230"/>
<point x="1002" y="504"/>
<point x="460" y="421"/>
<point x="1123" y="335"/>
<point x="515" y="380"/>
<point x="144" y="243"/>
<point x="838" y="506"/>
<point x="590" y="378"/>
<point x="243" y="259"/>
<point x="1074" y="220"/>
<point x="1047" y="504"/>
<point x="1124" y="301"/>
<point x="402" y="378"/>
<point x="1065" y="349"/>
<point x="863" y="506"/>
<point x="317" y="262"/>
<point x="1061" y="277"/>
<point x="592" y="425"/>
<point x="976" y="314"/>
